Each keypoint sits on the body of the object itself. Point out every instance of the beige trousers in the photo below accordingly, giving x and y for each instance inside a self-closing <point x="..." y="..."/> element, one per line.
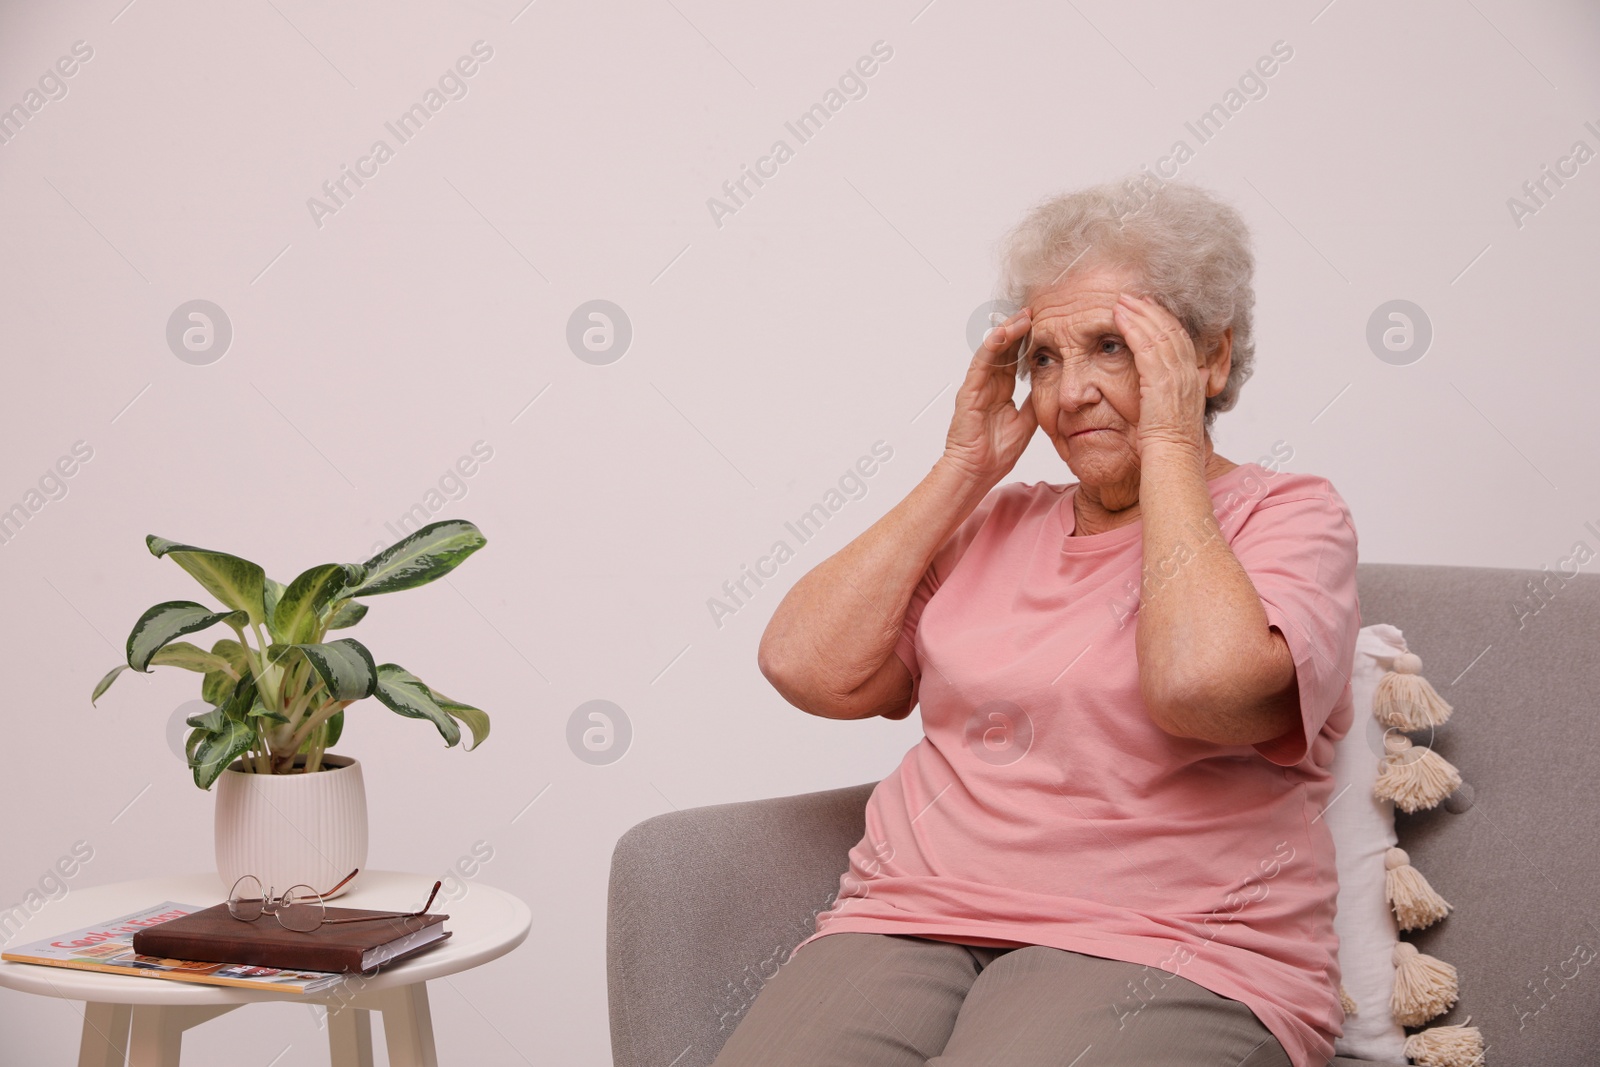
<point x="893" y="1000"/>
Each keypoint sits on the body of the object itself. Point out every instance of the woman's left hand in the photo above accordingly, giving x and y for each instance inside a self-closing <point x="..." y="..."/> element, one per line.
<point x="1172" y="380"/>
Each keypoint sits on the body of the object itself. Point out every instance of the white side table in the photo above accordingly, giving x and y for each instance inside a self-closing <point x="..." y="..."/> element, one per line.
<point x="142" y="1020"/>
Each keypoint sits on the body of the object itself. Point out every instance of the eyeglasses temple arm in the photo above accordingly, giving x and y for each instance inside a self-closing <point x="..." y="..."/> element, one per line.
<point x="342" y="883"/>
<point x="397" y="915"/>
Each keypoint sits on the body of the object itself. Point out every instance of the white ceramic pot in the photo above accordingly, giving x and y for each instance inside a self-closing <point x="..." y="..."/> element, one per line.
<point x="292" y="829"/>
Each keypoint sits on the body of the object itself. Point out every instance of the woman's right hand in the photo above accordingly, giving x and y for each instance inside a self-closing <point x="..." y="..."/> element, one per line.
<point x="989" y="433"/>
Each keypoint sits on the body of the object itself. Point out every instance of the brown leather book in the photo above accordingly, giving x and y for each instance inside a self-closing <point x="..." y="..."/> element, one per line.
<point x="214" y="936"/>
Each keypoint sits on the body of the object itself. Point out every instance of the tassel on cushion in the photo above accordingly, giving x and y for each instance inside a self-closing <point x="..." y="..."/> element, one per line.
<point x="1405" y="700"/>
<point x="1446" y="1046"/>
<point x="1345" y="1001"/>
<point x="1414" y="778"/>
<point x="1423" y="986"/>
<point x="1414" y="901"/>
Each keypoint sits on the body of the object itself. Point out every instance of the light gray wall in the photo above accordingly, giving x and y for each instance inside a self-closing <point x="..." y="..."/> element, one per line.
<point x="769" y="352"/>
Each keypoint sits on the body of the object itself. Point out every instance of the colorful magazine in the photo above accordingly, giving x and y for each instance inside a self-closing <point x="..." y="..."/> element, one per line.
<point x="108" y="947"/>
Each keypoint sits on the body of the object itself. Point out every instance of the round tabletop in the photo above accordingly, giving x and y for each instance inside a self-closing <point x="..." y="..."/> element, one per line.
<point x="485" y="924"/>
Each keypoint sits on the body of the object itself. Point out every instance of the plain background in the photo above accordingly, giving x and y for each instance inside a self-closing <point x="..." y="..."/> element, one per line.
<point x="768" y="354"/>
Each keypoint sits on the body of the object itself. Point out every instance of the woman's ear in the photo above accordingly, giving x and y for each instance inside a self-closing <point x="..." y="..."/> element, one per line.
<point x="1220" y="364"/>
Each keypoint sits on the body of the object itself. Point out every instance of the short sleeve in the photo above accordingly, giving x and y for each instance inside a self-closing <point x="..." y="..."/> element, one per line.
<point x="1300" y="553"/>
<point x="944" y="562"/>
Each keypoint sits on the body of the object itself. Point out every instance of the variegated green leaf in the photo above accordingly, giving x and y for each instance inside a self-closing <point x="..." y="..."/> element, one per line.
<point x="345" y="667"/>
<point x="241" y="700"/>
<point x="261" y="711"/>
<point x="167" y="622"/>
<point x="209" y="721"/>
<point x="190" y="658"/>
<point x="430" y="553"/>
<point x="299" y="612"/>
<point x="476" y="720"/>
<point x="217" y="685"/>
<point x="189" y="744"/>
<point x="105" y="683"/>
<point x="234" y="653"/>
<point x="278" y="656"/>
<point x="236" y="582"/>
<point x="406" y="694"/>
<point x="217" y="749"/>
<point x="271" y="593"/>
<point x="346" y="613"/>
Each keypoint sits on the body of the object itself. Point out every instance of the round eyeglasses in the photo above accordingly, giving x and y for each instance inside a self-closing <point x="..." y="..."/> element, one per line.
<point x="301" y="908"/>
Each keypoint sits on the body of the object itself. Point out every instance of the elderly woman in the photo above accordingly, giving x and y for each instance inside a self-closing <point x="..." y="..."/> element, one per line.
<point x="1107" y="848"/>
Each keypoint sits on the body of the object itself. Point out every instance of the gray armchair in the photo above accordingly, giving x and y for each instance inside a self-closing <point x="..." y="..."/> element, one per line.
<point x="704" y="903"/>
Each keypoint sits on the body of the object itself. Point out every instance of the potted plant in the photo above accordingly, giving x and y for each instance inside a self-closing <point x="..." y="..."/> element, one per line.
<point x="289" y="811"/>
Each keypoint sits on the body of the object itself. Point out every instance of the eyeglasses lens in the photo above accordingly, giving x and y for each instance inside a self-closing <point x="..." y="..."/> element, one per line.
<point x="301" y="909"/>
<point x="245" y="900"/>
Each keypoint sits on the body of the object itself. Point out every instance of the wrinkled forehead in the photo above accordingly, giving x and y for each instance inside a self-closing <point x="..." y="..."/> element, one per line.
<point x="1079" y="305"/>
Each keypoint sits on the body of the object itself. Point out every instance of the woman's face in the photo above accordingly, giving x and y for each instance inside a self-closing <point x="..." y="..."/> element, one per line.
<point x="1085" y="383"/>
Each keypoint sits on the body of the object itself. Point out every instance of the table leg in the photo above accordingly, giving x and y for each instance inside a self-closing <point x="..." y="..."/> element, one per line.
<point x="105" y="1035"/>
<point x="349" y="1036"/>
<point x="408" y="1026"/>
<point x="157" y="1032"/>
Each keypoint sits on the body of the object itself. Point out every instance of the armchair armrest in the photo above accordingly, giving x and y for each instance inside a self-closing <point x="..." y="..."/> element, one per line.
<point x="705" y="904"/>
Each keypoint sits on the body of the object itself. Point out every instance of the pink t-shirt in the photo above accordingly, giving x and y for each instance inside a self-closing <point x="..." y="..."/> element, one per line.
<point x="1044" y="807"/>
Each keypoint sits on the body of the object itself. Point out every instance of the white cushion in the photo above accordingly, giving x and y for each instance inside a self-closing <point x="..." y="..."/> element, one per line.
<point x="1363" y="832"/>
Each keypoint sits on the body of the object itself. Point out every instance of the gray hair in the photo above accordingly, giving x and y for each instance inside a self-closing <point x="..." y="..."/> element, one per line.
<point x="1191" y="249"/>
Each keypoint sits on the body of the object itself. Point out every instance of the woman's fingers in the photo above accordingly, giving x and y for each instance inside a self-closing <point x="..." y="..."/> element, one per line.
<point x="989" y="362"/>
<point x="1171" y="392"/>
<point x="1155" y="327"/>
<point x="1133" y="322"/>
<point x="988" y="431"/>
<point x="1001" y="343"/>
<point x="1027" y="417"/>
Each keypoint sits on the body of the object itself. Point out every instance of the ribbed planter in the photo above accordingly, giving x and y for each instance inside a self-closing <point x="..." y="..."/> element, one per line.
<point x="292" y="829"/>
